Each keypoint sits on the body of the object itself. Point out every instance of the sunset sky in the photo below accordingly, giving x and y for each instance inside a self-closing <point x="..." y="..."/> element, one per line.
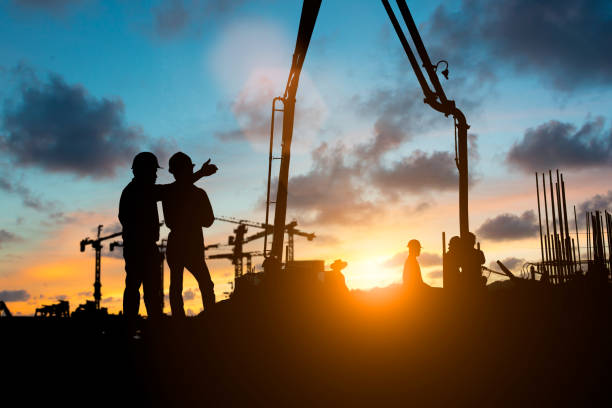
<point x="86" y="84"/>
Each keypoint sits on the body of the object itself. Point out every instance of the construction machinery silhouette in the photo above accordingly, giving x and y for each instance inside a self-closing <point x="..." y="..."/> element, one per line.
<point x="4" y="308"/>
<point x="237" y="241"/>
<point x="97" y="245"/>
<point x="308" y="18"/>
<point x="59" y="309"/>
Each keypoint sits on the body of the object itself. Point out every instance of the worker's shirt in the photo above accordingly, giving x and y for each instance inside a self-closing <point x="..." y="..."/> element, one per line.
<point x="473" y="261"/>
<point x="186" y="210"/>
<point x="412" y="272"/>
<point x="138" y="212"/>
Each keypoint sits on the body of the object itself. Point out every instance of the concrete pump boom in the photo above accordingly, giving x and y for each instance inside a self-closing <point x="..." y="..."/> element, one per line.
<point x="437" y="100"/>
<point x="310" y="11"/>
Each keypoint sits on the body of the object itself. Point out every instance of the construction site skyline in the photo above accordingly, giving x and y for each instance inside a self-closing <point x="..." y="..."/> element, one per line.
<point x="85" y="86"/>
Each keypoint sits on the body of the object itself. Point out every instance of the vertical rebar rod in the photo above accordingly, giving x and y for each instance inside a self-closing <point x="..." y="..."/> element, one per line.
<point x="603" y="241"/>
<point x="574" y="253"/>
<point x="561" y="243"/>
<point x="588" y="232"/>
<point x="539" y="218"/>
<point x="577" y="240"/>
<point x="548" y="250"/>
<point x="554" y="232"/>
<point x="444" y="272"/>
<point x="568" y="241"/>
<point x="608" y="227"/>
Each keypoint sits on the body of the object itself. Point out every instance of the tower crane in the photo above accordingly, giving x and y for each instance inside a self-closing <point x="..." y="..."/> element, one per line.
<point x="97" y="245"/>
<point x="239" y="239"/>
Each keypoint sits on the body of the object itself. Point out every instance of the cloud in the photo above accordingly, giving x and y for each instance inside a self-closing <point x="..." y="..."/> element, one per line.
<point x="62" y="128"/>
<point x="417" y="173"/>
<point x="430" y="259"/>
<point x="437" y="274"/>
<point x="189" y="294"/>
<point x="560" y="145"/>
<point x="596" y="203"/>
<point x="252" y="110"/>
<point x="329" y="193"/>
<point x="59" y="218"/>
<point x="173" y="17"/>
<point x="7" y="236"/>
<point x="28" y="199"/>
<point x="399" y="113"/>
<point x="49" y="5"/>
<point x="170" y="18"/>
<point x="14" y="295"/>
<point x="509" y="227"/>
<point x="425" y="259"/>
<point x="560" y="41"/>
<point x="510" y="263"/>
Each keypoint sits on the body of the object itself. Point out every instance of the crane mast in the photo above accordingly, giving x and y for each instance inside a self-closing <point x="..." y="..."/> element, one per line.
<point x="310" y="11"/>
<point x="437" y="100"/>
<point x="97" y="245"/>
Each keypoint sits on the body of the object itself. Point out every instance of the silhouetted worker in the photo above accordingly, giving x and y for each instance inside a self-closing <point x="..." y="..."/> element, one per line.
<point x="186" y="211"/>
<point x="412" y="271"/>
<point x="471" y="262"/>
<point x="335" y="277"/>
<point x="140" y="222"/>
<point x="451" y="263"/>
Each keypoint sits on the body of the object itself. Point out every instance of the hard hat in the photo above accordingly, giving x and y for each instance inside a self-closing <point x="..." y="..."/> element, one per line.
<point x="454" y="242"/>
<point x="179" y="160"/>
<point x="145" y="160"/>
<point x="338" y="264"/>
<point x="414" y="243"/>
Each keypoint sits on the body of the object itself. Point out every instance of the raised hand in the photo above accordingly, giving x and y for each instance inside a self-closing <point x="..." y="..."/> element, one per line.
<point x="208" y="168"/>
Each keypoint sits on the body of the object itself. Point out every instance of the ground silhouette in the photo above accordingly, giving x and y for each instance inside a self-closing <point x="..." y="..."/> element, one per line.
<point x="301" y="344"/>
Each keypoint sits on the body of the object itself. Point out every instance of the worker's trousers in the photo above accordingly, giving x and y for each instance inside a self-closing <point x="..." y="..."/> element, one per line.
<point x="142" y="267"/>
<point x="180" y="256"/>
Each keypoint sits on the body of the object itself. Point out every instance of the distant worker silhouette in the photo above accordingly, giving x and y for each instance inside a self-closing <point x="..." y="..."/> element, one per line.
<point x="412" y="271"/>
<point x="140" y="221"/>
<point x="186" y="211"/>
<point x="451" y="263"/>
<point x="471" y="262"/>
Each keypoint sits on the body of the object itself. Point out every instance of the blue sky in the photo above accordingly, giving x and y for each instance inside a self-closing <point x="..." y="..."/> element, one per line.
<point x="199" y="76"/>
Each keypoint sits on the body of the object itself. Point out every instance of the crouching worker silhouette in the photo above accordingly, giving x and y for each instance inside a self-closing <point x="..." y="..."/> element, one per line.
<point x="140" y="222"/>
<point x="186" y="210"/>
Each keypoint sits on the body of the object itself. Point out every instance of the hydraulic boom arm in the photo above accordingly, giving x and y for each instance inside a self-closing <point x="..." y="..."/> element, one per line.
<point x="310" y="11"/>
<point x="437" y="100"/>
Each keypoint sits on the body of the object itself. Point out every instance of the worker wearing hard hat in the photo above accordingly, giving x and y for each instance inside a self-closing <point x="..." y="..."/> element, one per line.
<point x="471" y="263"/>
<point x="412" y="271"/>
<point x="451" y="264"/>
<point x="186" y="210"/>
<point x="140" y="222"/>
